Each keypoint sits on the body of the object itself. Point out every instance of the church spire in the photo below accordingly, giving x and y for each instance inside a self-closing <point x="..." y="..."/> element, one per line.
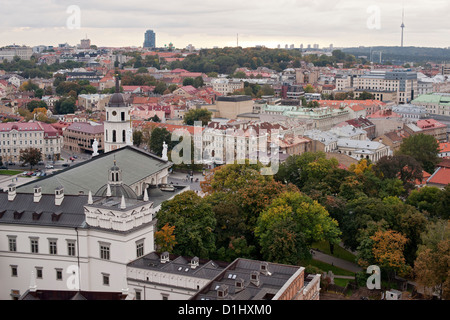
<point x="117" y="83"/>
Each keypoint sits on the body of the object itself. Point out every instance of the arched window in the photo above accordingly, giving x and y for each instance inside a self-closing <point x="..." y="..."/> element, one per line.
<point x="117" y="176"/>
<point x="123" y="135"/>
<point x="112" y="177"/>
<point x="106" y="135"/>
<point x="114" y="136"/>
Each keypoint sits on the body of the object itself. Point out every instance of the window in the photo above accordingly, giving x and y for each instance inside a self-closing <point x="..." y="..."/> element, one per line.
<point x="52" y="247"/>
<point x="140" y="248"/>
<point x="105" y="279"/>
<point x="71" y="247"/>
<point x="34" y="246"/>
<point x="114" y="136"/>
<point x="13" y="271"/>
<point x="138" y="295"/>
<point x="123" y="135"/>
<point x="12" y="243"/>
<point x="38" y="272"/>
<point x="104" y="251"/>
<point x="59" y="274"/>
<point x="165" y="296"/>
<point x="122" y="116"/>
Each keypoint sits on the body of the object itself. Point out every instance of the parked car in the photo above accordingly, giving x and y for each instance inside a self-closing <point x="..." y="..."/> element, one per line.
<point x="11" y="163"/>
<point x="30" y="173"/>
<point x="49" y="166"/>
<point x="66" y="165"/>
<point x="4" y="168"/>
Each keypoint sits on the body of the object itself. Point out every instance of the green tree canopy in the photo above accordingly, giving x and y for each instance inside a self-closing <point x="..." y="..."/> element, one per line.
<point x="424" y="148"/>
<point x="193" y="115"/>
<point x="194" y="223"/>
<point x="291" y="224"/>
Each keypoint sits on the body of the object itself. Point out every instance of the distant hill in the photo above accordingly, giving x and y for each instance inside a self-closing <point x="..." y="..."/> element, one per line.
<point x="405" y="54"/>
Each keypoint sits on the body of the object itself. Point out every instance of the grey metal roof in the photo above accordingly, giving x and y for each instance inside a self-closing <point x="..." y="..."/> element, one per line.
<point x="71" y="210"/>
<point x="242" y="269"/>
<point x="207" y="269"/>
<point x="93" y="174"/>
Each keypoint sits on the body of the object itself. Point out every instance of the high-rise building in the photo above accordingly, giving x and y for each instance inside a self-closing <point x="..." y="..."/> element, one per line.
<point x="85" y="43"/>
<point x="149" y="39"/>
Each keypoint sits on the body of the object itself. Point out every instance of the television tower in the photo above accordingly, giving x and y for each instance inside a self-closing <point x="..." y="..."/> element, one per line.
<point x="403" y="24"/>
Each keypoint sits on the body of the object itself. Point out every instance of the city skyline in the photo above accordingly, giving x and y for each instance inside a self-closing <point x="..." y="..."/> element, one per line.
<point x="344" y="23"/>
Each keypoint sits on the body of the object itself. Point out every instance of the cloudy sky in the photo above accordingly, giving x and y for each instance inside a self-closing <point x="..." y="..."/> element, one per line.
<point x="208" y="23"/>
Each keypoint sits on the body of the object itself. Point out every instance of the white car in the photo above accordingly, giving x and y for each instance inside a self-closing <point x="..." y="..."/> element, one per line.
<point x="49" y="166"/>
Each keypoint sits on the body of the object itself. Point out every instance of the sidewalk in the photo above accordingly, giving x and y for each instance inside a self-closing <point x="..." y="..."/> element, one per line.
<point x="343" y="264"/>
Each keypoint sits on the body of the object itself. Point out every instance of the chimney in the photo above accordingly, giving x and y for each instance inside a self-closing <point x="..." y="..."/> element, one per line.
<point x="33" y="286"/>
<point x="59" y="196"/>
<point x="165" y="257"/>
<point x="264" y="268"/>
<point x="11" y="192"/>
<point x="37" y="194"/>
<point x="194" y="262"/>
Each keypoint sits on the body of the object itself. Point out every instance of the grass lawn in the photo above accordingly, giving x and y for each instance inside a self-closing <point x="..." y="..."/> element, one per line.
<point x="341" y="282"/>
<point x="326" y="267"/>
<point x="339" y="252"/>
<point x="9" y="172"/>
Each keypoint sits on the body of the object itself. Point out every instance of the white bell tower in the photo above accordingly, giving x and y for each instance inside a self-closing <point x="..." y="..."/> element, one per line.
<point x="118" y="128"/>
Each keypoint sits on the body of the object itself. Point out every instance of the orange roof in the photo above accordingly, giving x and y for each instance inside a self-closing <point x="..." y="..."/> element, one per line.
<point x="441" y="176"/>
<point x="444" y="147"/>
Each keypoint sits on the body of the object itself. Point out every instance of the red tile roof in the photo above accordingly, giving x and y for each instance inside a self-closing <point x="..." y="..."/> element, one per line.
<point x="441" y="176"/>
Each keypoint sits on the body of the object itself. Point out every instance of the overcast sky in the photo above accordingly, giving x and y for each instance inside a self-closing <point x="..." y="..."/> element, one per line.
<point x="208" y="23"/>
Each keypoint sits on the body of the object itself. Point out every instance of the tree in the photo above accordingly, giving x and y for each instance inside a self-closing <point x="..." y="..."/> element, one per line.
<point x="424" y="148"/>
<point x="194" y="223"/>
<point x="28" y="86"/>
<point x="30" y="156"/>
<point x="155" y="118"/>
<point x="137" y="137"/>
<point x="294" y="221"/>
<point x="432" y="263"/>
<point x="198" y="82"/>
<point x="165" y="239"/>
<point x="402" y="167"/>
<point x="160" y="87"/>
<point x="426" y="200"/>
<point x="36" y="104"/>
<point x="157" y="138"/>
<point x="203" y="115"/>
<point x="188" y="82"/>
<point x="309" y="89"/>
<point x="366" y="96"/>
<point x="65" y="105"/>
<point x="388" y="251"/>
